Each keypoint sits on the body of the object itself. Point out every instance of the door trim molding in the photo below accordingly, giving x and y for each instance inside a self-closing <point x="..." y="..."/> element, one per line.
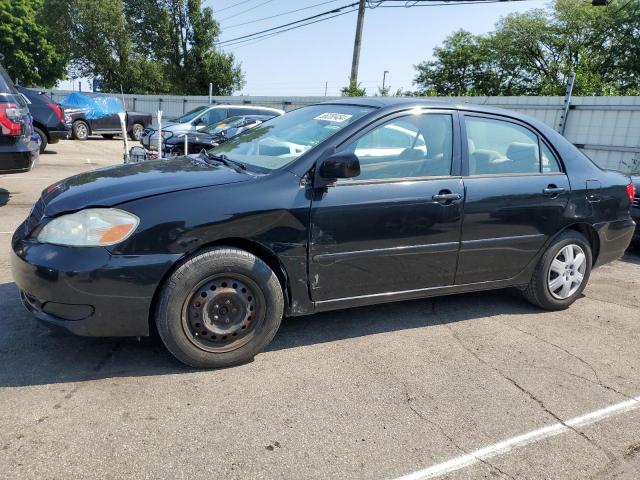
<point x="329" y="258"/>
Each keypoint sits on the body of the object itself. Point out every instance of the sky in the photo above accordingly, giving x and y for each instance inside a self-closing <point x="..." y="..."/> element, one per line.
<point x="302" y="61"/>
<point x="299" y="62"/>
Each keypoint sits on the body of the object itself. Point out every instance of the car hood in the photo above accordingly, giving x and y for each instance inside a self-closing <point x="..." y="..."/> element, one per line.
<point x="110" y="186"/>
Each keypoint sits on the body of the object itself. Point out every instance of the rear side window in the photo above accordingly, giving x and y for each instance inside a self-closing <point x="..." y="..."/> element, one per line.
<point x="500" y="147"/>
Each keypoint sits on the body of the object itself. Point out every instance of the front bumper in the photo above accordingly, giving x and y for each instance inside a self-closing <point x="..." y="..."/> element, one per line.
<point x="88" y="291"/>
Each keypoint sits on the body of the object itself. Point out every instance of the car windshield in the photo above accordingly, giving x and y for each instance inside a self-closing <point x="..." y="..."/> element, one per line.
<point x="281" y="140"/>
<point x="224" y="125"/>
<point x="190" y="115"/>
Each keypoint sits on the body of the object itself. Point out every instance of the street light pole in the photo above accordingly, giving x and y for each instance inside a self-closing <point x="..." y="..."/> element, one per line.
<point x="356" y="45"/>
<point x="384" y="78"/>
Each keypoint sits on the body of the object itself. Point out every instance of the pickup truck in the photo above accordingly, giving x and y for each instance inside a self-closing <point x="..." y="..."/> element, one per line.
<point x="93" y="114"/>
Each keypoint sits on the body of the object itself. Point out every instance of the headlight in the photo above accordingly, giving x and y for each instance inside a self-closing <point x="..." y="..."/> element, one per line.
<point x="93" y="227"/>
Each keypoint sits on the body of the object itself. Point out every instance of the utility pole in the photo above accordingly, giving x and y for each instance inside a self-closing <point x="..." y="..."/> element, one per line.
<point x="356" y="45"/>
<point x="384" y="78"/>
<point x="326" y="85"/>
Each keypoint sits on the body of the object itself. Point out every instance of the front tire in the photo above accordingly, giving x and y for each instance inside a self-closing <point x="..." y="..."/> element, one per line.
<point x="562" y="272"/>
<point x="219" y="308"/>
<point x="80" y="130"/>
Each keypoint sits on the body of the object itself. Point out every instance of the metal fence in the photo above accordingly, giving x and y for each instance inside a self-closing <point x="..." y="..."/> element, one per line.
<point x="607" y="129"/>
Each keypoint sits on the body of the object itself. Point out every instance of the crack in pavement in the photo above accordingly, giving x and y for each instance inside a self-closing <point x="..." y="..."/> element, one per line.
<point x="452" y="441"/>
<point x="542" y="405"/>
<point x="623" y="305"/>
<point x="571" y="354"/>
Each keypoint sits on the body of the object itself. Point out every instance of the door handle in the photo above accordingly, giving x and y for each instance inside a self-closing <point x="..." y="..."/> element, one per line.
<point x="446" y="197"/>
<point x="552" y="190"/>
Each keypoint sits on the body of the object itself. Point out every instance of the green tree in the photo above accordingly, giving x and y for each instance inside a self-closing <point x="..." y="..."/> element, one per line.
<point x="353" y="90"/>
<point x="29" y="56"/>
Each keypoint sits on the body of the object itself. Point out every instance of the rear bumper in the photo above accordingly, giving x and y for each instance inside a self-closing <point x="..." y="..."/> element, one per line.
<point x="19" y="156"/>
<point x="88" y="291"/>
<point x="615" y="238"/>
<point x="56" y="135"/>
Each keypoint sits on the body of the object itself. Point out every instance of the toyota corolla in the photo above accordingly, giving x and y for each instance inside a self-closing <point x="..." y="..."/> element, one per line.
<point x="336" y="205"/>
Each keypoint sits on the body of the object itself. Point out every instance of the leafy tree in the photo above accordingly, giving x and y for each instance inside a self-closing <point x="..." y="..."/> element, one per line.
<point x="353" y="90"/>
<point x="29" y="56"/>
<point x="532" y="53"/>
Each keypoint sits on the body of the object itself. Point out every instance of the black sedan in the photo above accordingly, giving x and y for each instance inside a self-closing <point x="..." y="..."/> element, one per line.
<point x="336" y="205"/>
<point x="213" y="135"/>
<point x="48" y="117"/>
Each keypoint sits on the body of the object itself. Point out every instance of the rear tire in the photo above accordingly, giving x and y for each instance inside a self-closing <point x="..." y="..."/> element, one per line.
<point x="562" y="272"/>
<point x="43" y="139"/>
<point x="219" y="308"/>
<point x="80" y="130"/>
<point x="136" y="131"/>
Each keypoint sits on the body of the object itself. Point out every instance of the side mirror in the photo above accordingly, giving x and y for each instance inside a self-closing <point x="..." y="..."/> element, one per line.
<point x="197" y="121"/>
<point x="340" y="165"/>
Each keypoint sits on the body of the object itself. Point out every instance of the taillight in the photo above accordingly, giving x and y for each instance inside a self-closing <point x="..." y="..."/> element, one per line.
<point x="631" y="191"/>
<point x="11" y="116"/>
<point x="56" y="108"/>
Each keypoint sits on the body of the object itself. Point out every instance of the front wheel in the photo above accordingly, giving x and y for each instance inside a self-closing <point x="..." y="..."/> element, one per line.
<point x="562" y="272"/>
<point x="219" y="308"/>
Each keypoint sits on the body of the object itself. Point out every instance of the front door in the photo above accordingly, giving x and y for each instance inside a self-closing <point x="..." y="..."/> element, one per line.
<point x="516" y="195"/>
<point x="396" y="226"/>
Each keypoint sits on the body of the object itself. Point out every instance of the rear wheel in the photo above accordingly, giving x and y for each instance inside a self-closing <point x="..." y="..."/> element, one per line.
<point x="562" y="272"/>
<point x="80" y="130"/>
<point x="136" y="131"/>
<point x="43" y="139"/>
<point x="219" y="308"/>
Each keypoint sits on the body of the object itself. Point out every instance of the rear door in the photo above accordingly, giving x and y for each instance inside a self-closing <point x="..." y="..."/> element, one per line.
<point x="396" y="226"/>
<point x="516" y="195"/>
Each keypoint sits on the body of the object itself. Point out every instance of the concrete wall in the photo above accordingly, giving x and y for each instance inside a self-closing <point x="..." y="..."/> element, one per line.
<point x="607" y="129"/>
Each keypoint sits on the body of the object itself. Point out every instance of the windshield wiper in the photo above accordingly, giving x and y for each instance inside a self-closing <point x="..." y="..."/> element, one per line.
<point x="222" y="158"/>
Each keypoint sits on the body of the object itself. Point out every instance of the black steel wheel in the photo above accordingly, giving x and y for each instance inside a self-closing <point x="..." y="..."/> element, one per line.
<point x="219" y="308"/>
<point x="223" y="313"/>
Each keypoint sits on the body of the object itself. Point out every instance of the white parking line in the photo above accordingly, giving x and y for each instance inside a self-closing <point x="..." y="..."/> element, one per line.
<point x="509" y="444"/>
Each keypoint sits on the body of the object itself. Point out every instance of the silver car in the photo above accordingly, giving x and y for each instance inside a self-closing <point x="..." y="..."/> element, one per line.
<point x="201" y="117"/>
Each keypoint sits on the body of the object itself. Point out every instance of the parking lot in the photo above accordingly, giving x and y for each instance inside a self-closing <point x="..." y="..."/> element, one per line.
<point x="375" y="392"/>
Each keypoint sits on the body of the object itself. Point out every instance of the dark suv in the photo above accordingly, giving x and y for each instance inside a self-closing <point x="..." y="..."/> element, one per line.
<point x="48" y="117"/>
<point x="18" y="143"/>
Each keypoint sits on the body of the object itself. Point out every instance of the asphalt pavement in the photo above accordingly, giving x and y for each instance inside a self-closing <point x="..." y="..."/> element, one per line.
<point x="469" y="386"/>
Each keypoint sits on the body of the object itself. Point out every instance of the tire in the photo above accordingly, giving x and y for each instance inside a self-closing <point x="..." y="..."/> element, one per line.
<point x="547" y="275"/>
<point x="43" y="139"/>
<point x="108" y="136"/>
<point x="219" y="308"/>
<point x="136" y="131"/>
<point x="80" y="130"/>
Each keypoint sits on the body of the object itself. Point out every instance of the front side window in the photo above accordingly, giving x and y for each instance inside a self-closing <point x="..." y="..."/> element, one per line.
<point x="281" y="140"/>
<point x="501" y="147"/>
<point x="411" y="146"/>
<point x="212" y="116"/>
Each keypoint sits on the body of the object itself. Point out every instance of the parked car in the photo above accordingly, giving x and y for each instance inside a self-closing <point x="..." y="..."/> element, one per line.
<point x="210" y="136"/>
<point x="19" y="145"/>
<point x="97" y="114"/>
<point x="48" y="117"/>
<point x="635" y="209"/>
<point x="330" y="206"/>
<point x="201" y="117"/>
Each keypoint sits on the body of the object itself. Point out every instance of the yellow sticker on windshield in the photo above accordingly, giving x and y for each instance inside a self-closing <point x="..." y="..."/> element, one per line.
<point x="333" y="117"/>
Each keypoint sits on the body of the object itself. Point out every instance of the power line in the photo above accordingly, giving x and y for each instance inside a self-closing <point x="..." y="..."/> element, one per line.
<point x="287" y="29"/>
<point x="245" y="11"/>
<point x="312" y="17"/>
<point x="279" y="15"/>
<point x="232" y="6"/>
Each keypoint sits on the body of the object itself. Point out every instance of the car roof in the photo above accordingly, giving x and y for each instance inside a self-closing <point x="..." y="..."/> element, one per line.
<point x="399" y="103"/>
